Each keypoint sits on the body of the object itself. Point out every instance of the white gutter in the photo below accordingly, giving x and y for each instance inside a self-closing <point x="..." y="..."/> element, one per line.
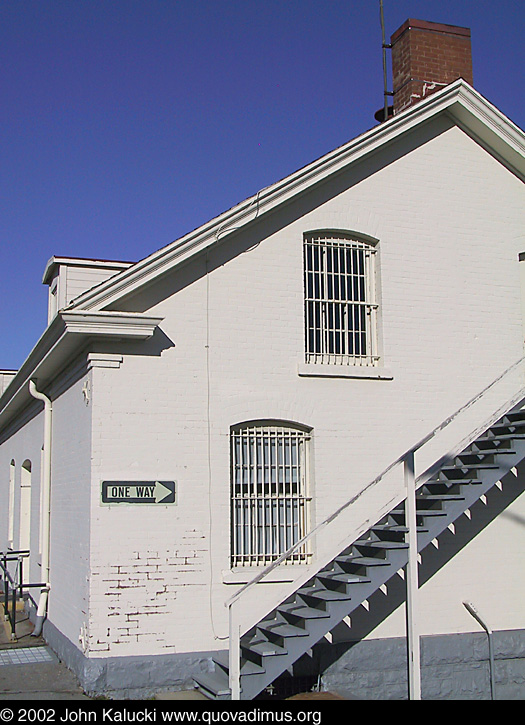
<point x="46" y="506"/>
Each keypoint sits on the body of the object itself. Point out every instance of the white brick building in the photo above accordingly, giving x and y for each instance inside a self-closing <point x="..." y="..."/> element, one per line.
<point x="333" y="320"/>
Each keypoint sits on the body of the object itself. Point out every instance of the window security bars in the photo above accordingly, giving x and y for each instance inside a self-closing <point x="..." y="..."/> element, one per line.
<point x="340" y="304"/>
<point x="270" y="506"/>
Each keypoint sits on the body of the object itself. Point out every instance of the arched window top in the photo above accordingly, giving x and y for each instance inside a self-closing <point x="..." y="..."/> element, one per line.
<point x="271" y="423"/>
<point x="340" y="235"/>
<point x="26" y="465"/>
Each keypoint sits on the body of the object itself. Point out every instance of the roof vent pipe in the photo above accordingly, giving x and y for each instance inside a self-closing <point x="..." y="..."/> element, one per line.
<point x="46" y="506"/>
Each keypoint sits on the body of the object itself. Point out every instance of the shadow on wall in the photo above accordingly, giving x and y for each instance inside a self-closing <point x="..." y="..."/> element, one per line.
<point x="153" y="347"/>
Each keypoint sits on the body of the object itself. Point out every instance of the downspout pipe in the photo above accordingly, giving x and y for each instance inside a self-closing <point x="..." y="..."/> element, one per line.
<point x="46" y="506"/>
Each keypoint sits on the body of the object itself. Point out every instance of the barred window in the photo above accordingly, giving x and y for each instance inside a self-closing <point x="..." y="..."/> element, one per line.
<point x="340" y="300"/>
<point x="269" y="492"/>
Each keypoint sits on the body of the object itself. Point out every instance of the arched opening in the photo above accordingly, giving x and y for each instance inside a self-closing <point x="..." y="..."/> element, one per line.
<point x="24" y="539"/>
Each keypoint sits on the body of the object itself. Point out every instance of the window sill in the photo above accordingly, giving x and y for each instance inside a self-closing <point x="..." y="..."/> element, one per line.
<point x="243" y="576"/>
<point x="320" y="370"/>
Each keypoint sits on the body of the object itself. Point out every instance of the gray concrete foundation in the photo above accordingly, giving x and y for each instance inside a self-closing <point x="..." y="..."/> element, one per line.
<point x="453" y="667"/>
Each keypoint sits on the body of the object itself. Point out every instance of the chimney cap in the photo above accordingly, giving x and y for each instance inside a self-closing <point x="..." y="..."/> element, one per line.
<point x="430" y="26"/>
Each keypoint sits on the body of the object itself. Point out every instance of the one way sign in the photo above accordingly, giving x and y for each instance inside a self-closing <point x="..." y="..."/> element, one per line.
<point x="138" y="492"/>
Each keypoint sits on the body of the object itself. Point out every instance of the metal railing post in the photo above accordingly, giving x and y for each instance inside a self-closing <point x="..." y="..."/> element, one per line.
<point x="13" y="614"/>
<point x="234" y="653"/>
<point x="6" y="590"/>
<point x="412" y="584"/>
<point x="20" y="575"/>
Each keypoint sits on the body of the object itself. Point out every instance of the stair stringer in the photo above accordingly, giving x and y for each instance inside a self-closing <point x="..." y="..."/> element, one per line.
<point x="383" y="559"/>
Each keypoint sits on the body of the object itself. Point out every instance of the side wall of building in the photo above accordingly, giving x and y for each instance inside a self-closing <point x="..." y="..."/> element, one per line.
<point x="70" y="491"/>
<point x="232" y="343"/>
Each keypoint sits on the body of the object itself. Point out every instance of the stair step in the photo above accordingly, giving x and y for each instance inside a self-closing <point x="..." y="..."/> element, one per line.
<point x="469" y="467"/>
<point x="222" y="658"/>
<point x="280" y="629"/>
<point x="362" y="560"/>
<point x="322" y="594"/>
<point x="500" y="437"/>
<point x="214" y="683"/>
<point x="478" y="455"/>
<point x="264" y="648"/>
<point x="515" y="416"/>
<point x="420" y="512"/>
<point x="302" y="611"/>
<point x="502" y="452"/>
<point x="343" y="578"/>
<point x="452" y="482"/>
<point x="361" y="543"/>
<point x="515" y="429"/>
<point x="439" y="497"/>
<point x="398" y="529"/>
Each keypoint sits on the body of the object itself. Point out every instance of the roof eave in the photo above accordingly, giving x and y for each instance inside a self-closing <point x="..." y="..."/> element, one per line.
<point x="61" y="341"/>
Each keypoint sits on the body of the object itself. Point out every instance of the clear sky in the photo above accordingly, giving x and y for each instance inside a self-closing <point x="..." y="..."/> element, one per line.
<point x="127" y="123"/>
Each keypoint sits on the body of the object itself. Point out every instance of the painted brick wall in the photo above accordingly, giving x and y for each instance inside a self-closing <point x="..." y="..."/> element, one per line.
<point x="70" y="489"/>
<point x="451" y="320"/>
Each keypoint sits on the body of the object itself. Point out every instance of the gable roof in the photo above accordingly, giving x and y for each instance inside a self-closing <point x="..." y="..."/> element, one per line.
<point x="459" y="101"/>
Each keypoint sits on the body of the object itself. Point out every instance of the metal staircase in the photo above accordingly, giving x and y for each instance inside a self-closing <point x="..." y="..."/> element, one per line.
<point x="335" y="591"/>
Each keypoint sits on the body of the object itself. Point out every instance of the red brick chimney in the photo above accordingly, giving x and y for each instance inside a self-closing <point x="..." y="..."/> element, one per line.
<point x="425" y="57"/>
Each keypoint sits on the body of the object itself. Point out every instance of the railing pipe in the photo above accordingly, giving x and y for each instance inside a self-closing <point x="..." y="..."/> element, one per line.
<point x="234" y="662"/>
<point x="412" y="583"/>
<point x="477" y="616"/>
<point x="13" y="614"/>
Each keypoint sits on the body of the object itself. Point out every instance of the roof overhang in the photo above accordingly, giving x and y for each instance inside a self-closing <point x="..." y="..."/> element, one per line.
<point x="55" y="262"/>
<point x="459" y="101"/>
<point x="66" y="336"/>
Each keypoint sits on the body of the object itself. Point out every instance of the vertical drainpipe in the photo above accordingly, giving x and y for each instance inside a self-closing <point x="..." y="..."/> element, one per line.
<point x="46" y="506"/>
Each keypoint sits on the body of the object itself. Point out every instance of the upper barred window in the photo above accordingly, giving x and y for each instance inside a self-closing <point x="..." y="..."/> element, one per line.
<point x="340" y="300"/>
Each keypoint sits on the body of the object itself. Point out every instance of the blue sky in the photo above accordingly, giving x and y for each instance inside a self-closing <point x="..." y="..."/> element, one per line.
<point x="127" y="123"/>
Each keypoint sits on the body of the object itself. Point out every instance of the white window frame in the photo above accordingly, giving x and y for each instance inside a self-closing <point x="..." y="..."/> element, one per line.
<point x="270" y="492"/>
<point x="340" y="301"/>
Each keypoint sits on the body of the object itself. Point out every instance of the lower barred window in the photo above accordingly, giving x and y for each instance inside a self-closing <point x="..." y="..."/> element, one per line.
<point x="269" y="492"/>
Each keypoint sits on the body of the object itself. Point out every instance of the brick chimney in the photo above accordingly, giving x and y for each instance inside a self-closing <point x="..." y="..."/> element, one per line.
<point x="425" y="57"/>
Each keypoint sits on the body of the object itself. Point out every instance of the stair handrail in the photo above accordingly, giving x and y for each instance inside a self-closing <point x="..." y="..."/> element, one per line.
<point x="411" y="451"/>
<point x="11" y="583"/>
<point x="15" y="583"/>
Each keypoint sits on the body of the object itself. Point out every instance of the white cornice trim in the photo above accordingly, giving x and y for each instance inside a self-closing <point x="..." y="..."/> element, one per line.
<point x="459" y="100"/>
<point x="115" y="324"/>
<point x="61" y="341"/>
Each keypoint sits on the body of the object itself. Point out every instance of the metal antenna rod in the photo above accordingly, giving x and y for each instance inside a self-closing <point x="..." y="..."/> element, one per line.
<point x="385" y="92"/>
